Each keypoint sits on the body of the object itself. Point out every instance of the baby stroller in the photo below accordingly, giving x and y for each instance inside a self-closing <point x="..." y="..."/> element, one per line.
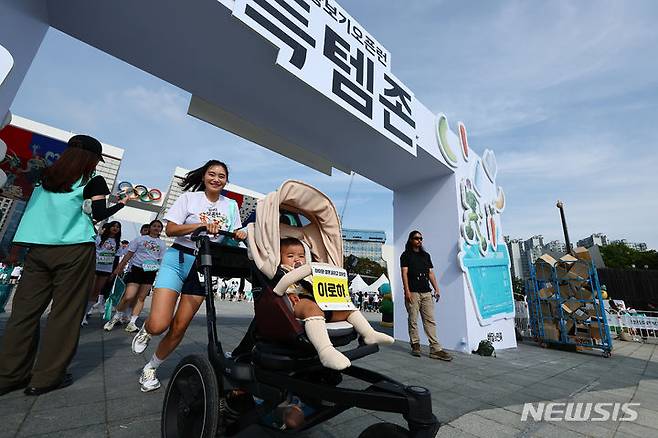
<point x="275" y="360"/>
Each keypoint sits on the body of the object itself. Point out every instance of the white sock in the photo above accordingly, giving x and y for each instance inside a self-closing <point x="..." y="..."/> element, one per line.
<point x="363" y="327"/>
<point x="316" y="332"/>
<point x="118" y="315"/>
<point x="154" y="362"/>
<point x="133" y="318"/>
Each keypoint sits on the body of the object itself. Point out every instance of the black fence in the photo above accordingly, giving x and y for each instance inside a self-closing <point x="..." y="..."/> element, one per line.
<point x="637" y="287"/>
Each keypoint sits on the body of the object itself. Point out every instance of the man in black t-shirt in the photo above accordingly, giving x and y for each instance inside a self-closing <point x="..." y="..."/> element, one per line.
<point x="417" y="274"/>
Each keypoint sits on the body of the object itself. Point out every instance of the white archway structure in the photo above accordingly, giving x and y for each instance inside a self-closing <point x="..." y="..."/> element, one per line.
<point x="305" y="79"/>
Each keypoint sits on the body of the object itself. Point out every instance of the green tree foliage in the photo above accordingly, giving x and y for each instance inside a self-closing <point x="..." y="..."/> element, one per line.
<point x="619" y="256"/>
<point x="367" y="267"/>
<point x="518" y="288"/>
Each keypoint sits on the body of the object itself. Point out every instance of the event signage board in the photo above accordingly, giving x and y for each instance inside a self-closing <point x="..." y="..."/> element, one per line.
<point x="325" y="47"/>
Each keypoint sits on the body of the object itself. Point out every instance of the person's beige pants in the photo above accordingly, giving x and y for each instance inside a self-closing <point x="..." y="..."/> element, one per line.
<point x="422" y="302"/>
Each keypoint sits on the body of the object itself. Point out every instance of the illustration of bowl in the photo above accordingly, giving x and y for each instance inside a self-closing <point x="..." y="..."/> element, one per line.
<point x="442" y="132"/>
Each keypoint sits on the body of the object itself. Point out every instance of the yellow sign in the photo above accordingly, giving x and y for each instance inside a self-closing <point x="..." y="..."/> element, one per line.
<point x="330" y="287"/>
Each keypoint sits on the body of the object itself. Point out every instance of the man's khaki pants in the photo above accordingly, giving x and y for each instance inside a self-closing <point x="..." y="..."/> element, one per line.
<point x="64" y="274"/>
<point x="423" y="302"/>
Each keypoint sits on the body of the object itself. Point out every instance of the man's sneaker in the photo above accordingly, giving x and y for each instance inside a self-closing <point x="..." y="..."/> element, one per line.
<point x="415" y="350"/>
<point x="111" y="323"/>
<point x="148" y="380"/>
<point x="131" y="327"/>
<point x="441" y="355"/>
<point x="140" y="341"/>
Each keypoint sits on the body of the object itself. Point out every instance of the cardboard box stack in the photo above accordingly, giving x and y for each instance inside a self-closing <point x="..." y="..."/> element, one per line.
<point x="562" y="304"/>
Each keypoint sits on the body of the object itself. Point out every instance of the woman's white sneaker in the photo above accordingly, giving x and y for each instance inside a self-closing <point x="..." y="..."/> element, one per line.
<point x="111" y="323"/>
<point x="148" y="380"/>
<point x="140" y="341"/>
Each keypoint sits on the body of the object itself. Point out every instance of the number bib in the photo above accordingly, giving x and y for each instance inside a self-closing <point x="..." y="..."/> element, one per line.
<point x="105" y="258"/>
<point x="330" y="288"/>
<point x="150" y="265"/>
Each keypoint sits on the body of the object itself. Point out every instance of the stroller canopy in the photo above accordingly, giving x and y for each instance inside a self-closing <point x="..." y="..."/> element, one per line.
<point x="322" y="234"/>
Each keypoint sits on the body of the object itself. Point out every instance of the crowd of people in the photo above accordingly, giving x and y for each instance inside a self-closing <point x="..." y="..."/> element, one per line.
<point x="73" y="267"/>
<point x="366" y="301"/>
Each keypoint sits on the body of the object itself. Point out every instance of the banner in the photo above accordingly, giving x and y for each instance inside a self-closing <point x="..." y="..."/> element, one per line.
<point x="28" y="154"/>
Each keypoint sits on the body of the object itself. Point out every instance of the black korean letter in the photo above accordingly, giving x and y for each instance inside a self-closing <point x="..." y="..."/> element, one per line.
<point x="401" y="104"/>
<point x="298" y="50"/>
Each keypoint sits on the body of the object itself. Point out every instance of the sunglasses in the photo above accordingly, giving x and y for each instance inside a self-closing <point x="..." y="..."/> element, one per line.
<point x="417" y="238"/>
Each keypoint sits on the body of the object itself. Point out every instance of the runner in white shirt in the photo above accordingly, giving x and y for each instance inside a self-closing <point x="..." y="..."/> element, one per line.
<point x="144" y="254"/>
<point x="107" y="244"/>
<point x="178" y="280"/>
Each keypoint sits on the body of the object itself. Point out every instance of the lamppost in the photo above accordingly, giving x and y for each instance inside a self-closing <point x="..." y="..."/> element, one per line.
<point x="560" y="206"/>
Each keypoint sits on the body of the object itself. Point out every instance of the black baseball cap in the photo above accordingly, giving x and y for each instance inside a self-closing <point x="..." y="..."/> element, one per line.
<point x="87" y="143"/>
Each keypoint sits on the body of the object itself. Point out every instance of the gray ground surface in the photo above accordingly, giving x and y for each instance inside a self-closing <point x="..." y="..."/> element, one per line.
<point x="472" y="395"/>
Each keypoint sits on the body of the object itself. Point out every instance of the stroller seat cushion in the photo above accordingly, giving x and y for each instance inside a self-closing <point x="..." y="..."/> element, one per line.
<point x="337" y="329"/>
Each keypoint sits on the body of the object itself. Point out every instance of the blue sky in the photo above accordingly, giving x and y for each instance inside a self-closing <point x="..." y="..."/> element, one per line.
<point x="565" y="93"/>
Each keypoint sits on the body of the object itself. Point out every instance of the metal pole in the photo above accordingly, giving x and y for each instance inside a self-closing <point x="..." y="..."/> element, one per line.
<point x="560" y="206"/>
<point x="347" y="197"/>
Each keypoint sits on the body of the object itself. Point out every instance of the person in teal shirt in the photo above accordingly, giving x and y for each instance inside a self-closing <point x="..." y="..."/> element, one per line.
<point x="58" y="229"/>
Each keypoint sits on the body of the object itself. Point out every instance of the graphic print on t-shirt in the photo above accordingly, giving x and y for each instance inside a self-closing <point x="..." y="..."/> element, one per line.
<point x="105" y="252"/>
<point x="212" y="215"/>
<point x="153" y="248"/>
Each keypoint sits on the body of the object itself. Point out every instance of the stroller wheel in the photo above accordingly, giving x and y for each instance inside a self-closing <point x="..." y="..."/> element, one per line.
<point x="191" y="402"/>
<point x="384" y="430"/>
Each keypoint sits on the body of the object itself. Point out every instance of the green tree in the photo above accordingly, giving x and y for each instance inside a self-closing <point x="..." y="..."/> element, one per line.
<point x="367" y="267"/>
<point x="619" y="256"/>
<point x="518" y="288"/>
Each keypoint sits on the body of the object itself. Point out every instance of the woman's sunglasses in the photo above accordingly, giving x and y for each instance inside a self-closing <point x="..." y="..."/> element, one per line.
<point x="417" y="238"/>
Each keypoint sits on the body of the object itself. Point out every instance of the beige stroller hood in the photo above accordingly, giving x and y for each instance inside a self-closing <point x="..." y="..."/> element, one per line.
<point x="323" y="235"/>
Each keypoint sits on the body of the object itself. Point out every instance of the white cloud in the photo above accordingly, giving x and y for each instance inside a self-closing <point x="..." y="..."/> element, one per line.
<point x="164" y="105"/>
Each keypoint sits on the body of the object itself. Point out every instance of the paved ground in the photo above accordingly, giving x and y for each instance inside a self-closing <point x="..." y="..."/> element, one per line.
<point x="472" y="396"/>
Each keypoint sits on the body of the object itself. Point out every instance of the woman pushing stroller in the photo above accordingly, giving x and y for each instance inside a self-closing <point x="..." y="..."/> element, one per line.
<point x="202" y="204"/>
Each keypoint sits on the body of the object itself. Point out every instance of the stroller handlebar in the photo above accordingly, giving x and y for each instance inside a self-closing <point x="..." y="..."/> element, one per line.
<point x="197" y="233"/>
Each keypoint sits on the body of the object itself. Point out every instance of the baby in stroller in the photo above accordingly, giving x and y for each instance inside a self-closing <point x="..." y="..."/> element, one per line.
<point x="300" y="294"/>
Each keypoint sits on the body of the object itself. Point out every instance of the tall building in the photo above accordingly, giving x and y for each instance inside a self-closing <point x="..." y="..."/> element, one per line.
<point x="364" y="243"/>
<point x="599" y="239"/>
<point x="5" y="207"/>
<point x="556" y="246"/>
<point x="515" y="249"/>
<point x="638" y="246"/>
<point x="533" y="248"/>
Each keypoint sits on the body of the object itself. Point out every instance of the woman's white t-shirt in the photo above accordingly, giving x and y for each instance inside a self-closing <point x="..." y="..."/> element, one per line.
<point x="105" y="253"/>
<point x="195" y="208"/>
<point x="148" y="252"/>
